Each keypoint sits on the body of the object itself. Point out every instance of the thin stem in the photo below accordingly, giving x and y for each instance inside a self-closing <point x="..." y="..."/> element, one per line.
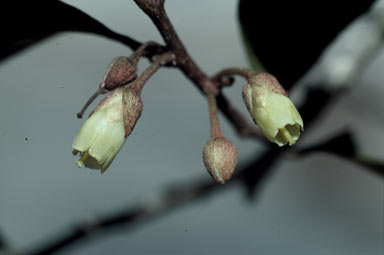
<point x="246" y="73"/>
<point x="223" y="81"/>
<point x="134" y="44"/>
<point x="250" y="75"/>
<point x="89" y="102"/>
<point x="147" y="73"/>
<point x="155" y="10"/>
<point x="214" y="118"/>
<point x="142" y="51"/>
<point x="239" y="122"/>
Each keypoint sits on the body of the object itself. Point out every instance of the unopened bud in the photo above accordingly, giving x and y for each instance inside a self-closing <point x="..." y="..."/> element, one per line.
<point x="220" y="159"/>
<point x="120" y="72"/>
<point x="272" y="110"/>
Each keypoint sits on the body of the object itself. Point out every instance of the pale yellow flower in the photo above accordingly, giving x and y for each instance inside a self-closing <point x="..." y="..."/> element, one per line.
<point x="104" y="133"/>
<point x="272" y="110"/>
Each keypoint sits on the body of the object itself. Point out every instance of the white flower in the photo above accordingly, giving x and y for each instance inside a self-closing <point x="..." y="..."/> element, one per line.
<point x="272" y="110"/>
<point x="104" y="133"/>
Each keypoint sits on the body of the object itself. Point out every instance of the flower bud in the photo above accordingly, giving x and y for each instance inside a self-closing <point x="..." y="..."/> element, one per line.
<point x="104" y="133"/>
<point x="272" y="110"/>
<point x="220" y="159"/>
<point x="121" y="71"/>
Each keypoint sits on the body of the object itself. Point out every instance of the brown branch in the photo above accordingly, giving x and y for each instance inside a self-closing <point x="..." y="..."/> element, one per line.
<point x="151" y="51"/>
<point x="159" y="61"/>
<point x="155" y="10"/>
<point x="144" y="50"/>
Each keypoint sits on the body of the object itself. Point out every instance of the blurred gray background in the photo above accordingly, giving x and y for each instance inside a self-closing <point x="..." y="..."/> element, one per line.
<point x="313" y="205"/>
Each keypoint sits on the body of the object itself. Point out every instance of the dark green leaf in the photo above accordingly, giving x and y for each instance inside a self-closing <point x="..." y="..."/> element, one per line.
<point x="288" y="36"/>
<point x="28" y="22"/>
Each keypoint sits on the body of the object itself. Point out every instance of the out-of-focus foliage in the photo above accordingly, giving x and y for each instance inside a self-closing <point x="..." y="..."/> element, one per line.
<point x="288" y="36"/>
<point x="28" y="22"/>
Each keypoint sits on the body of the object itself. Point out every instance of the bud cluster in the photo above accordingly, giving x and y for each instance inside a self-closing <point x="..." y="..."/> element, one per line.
<point x="104" y="133"/>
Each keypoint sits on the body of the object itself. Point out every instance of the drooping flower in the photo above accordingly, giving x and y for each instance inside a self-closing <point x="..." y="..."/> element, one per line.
<point x="220" y="159"/>
<point x="272" y="110"/>
<point x="105" y="131"/>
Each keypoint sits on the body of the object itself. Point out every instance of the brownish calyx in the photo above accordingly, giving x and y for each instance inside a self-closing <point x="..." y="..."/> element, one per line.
<point x="269" y="81"/>
<point x="119" y="73"/>
<point x="132" y="108"/>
